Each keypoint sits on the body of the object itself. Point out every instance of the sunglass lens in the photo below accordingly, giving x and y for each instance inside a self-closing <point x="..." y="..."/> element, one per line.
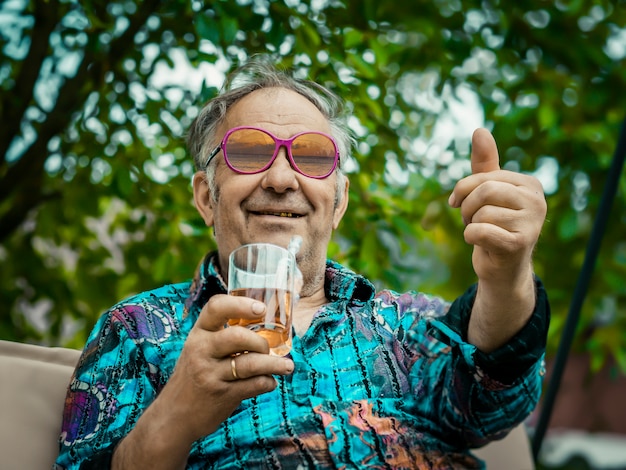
<point x="314" y="154"/>
<point x="249" y="150"/>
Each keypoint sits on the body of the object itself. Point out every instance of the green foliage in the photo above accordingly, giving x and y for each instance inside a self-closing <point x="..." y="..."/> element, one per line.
<point x="95" y="200"/>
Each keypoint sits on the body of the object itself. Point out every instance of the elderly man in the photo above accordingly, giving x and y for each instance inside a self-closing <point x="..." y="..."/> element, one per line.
<point x="374" y="379"/>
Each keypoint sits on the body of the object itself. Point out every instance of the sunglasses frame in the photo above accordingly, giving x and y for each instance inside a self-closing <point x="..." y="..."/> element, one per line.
<point x="279" y="143"/>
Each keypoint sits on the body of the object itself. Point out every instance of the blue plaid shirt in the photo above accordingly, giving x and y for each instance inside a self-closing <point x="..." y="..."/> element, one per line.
<point x="382" y="380"/>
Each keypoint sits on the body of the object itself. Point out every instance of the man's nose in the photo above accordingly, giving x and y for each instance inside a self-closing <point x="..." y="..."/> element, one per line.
<point x="280" y="176"/>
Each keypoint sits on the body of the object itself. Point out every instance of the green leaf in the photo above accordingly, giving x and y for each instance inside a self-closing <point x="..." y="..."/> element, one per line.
<point x="207" y="28"/>
<point x="568" y="225"/>
<point x="352" y="38"/>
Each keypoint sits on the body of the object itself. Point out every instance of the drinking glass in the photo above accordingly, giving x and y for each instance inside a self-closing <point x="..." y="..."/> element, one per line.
<point x="265" y="272"/>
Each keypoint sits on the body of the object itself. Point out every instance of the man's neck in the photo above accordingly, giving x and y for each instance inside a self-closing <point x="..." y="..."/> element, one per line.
<point x="306" y="308"/>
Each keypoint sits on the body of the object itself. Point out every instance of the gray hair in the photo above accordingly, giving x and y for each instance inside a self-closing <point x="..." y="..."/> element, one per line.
<point x="256" y="74"/>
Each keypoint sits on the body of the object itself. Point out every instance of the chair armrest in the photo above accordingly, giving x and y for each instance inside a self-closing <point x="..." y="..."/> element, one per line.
<point x="511" y="453"/>
<point x="33" y="384"/>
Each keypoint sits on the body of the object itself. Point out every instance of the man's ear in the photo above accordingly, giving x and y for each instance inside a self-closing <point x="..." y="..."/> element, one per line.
<point x="202" y="197"/>
<point x="341" y="208"/>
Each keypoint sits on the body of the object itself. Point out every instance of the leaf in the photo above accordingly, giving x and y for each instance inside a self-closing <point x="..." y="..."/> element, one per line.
<point x="352" y="38"/>
<point x="123" y="183"/>
<point x="229" y="27"/>
<point x="568" y="225"/>
<point x="206" y="28"/>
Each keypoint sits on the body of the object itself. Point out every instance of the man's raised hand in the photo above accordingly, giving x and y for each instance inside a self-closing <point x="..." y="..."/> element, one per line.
<point x="503" y="212"/>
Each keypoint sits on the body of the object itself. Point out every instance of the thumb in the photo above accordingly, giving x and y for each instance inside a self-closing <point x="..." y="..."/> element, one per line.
<point x="484" y="152"/>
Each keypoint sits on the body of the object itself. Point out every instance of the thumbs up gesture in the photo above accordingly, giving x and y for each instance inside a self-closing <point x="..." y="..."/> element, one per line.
<point x="503" y="213"/>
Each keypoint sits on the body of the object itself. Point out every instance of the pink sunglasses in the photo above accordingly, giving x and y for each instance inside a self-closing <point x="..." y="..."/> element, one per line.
<point x="249" y="150"/>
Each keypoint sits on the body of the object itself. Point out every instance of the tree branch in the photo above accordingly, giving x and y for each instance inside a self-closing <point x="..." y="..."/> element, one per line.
<point x="13" y="105"/>
<point x="71" y="97"/>
<point x="19" y="209"/>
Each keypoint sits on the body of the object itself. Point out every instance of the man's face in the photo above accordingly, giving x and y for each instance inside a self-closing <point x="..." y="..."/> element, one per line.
<point x="278" y="203"/>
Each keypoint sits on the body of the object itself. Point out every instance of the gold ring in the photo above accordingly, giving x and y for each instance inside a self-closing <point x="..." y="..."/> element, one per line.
<point x="233" y="367"/>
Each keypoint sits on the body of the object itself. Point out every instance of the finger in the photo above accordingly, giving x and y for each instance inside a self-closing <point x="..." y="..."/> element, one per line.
<point x="468" y="185"/>
<point x="484" y="160"/>
<point x="220" y="308"/>
<point x="498" y="216"/>
<point x="235" y="340"/>
<point x="484" y="156"/>
<point x="491" y="237"/>
<point x="491" y="193"/>
<point x="249" y="365"/>
<point x="505" y="231"/>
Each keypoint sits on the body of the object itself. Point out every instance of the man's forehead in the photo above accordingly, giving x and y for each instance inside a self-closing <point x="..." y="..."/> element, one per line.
<point x="276" y="107"/>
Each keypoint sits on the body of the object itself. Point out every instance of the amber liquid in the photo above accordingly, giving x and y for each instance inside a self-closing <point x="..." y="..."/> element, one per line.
<point x="275" y="327"/>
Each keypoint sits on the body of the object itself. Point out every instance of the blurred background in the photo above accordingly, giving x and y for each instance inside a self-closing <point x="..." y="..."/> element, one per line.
<point x="95" y="200"/>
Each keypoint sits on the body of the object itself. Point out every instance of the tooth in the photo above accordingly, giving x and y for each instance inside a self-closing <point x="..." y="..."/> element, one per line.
<point x="280" y="214"/>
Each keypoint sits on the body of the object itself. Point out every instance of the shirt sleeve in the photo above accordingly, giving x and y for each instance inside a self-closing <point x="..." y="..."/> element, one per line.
<point x="484" y="395"/>
<point x="514" y="358"/>
<point x="111" y="386"/>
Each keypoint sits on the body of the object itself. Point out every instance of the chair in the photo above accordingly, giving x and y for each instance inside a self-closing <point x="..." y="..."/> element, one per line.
<point x="511" y="453"/>
<point x="32" y="395"/>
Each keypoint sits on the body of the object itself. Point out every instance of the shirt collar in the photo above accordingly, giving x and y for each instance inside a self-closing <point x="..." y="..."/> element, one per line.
<point x="205" y="284"/>
<point x="343" y="284"/>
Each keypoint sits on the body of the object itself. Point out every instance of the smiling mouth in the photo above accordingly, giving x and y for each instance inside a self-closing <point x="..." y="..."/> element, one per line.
<point x="289" y="215"/>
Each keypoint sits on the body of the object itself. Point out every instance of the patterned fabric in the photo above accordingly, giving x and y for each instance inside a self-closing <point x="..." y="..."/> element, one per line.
<point x="382" y="380"/>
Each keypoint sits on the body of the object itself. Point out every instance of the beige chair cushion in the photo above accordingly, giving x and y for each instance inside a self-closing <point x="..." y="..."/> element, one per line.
<point x="511" y="453"/>
<point x="33" y="383"/>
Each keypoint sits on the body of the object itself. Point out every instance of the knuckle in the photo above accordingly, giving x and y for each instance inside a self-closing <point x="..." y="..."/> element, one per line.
<point x="264" y="383"/>
<point x="237" y="334"/>
<point x="213" y="302"/>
